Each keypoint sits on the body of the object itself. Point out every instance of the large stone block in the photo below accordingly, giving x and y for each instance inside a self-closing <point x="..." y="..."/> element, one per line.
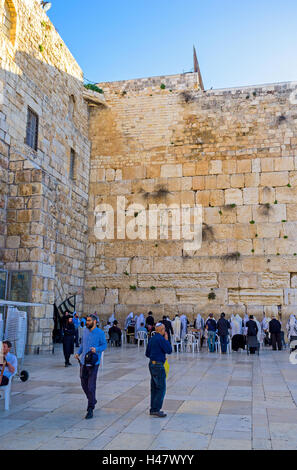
<point x="147" y="296"/>
<point x="250" y="196"/>
<point x="233" y="196"/>
<point x="286" y="195"/>
<point x="275" y="179"/>
<point x="215" y="167"/>
<point x="200" y="296"/>
<point x="228" y="280"/>
<point x="237" y="181"/>
<point x="275" y="280"/>
<point x="171" y="171"/>
<point x="111" y="296"/>
<point x="178" y="280"/>
<point x="255" y="297"/>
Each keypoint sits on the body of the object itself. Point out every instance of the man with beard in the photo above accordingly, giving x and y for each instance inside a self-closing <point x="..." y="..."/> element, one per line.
<point x="92" y="345"/>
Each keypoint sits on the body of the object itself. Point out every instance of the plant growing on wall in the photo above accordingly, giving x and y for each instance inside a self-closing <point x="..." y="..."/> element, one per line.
<point x="90" y="86"/>
<point x="230" y="206"/>
<point x="41" y="48"/>
<point x="153" y="288"/>
<point x="94" y="288"/>
<point x="231" y="256"/>
<point x="211" y="296"/>
<point x="162" y="86"/>
<point x="132" y="287"/>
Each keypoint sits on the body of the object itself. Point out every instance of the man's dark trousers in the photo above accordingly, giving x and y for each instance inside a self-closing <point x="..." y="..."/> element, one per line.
<point x="223" y="340"/>
<point x="158" y="386"/>
<point x="276" y="338"/>
<point x="88" y="376"/>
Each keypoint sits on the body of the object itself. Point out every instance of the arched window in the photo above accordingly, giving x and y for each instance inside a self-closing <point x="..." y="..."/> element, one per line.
<point x="71" y="105"/>
<point x="9" y="20"/>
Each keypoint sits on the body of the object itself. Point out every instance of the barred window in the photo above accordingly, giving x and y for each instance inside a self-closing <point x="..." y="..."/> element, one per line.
<point x="7" y="21"/>
<point x="32" y="129"/>
<point x="72" y="165"/>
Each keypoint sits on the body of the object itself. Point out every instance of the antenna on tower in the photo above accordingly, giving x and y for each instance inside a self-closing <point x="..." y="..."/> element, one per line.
<point x="197" y="69"/>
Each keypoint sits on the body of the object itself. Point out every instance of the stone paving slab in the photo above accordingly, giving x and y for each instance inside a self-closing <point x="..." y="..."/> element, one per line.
<point x="213" y="402"/>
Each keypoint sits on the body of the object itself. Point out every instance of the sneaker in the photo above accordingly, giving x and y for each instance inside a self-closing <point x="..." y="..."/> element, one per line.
<point x="89" y="414"/>
<point x="158" y="414"/>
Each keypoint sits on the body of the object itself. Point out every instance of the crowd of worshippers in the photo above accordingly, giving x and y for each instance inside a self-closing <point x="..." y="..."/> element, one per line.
<point x="247" y="332"/>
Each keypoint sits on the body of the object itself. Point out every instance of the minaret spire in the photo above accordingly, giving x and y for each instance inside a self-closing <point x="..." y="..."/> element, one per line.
<point x="197" y="70"/>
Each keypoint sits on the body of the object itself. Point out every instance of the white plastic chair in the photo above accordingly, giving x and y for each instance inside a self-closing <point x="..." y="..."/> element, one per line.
<point x="6" y="390"/>
<point x="178" y="343"/>
<point x="124" y="337"/>
<point x="229" y="345"/>
<point x="192" y="342"/>
<point x="141" y="336"/>
<point x="218" y="344"/>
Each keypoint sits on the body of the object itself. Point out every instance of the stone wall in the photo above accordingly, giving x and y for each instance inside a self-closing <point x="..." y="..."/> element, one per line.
<point x="233" y="151"/>
<point x="46" y="210"/>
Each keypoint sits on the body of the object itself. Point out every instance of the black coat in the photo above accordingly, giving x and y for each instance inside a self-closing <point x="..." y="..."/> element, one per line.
<point x="168" y="328"/>
<point x="150" y="320"/>
<point x="274" y="326"/>
<point x="252" y="328"/>
<point x="68" y="339"/>
<point x="223" y="326"/>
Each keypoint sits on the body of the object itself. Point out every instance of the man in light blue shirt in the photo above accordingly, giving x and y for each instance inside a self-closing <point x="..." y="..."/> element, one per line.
<point x="93" y="341"/>
<point x="11" y="363"/>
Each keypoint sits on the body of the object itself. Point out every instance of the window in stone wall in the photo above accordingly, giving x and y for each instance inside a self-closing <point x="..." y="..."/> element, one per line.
<point x="72" y="165"/>
<point x="71" y="105"/>
<point x="32" y="129"/>
<point x="6" y="20"/>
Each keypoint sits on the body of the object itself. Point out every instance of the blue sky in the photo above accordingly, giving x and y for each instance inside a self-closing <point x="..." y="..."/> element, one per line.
<point x="238" y="42"/>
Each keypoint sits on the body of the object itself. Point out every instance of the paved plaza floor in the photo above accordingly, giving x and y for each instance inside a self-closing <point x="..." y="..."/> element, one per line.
<point x="213" y="402"/>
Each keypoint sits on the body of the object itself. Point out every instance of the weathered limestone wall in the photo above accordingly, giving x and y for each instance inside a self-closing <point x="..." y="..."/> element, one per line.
<point x="235" y="152"/>
<point x="46" y="210"/>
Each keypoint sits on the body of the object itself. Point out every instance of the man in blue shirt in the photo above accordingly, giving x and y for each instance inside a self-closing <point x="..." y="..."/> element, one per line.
<point x="157" y="348"/>
<point x="94" y="341"/>
<point x="11" y="363"/>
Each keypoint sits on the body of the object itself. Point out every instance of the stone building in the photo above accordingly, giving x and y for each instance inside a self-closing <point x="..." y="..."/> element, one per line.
<point x="64" y="150"/>
<point x="44" y="166"/>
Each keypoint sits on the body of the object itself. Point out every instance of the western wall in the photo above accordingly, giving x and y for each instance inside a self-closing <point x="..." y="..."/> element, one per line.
<point x="234" y="151"/>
